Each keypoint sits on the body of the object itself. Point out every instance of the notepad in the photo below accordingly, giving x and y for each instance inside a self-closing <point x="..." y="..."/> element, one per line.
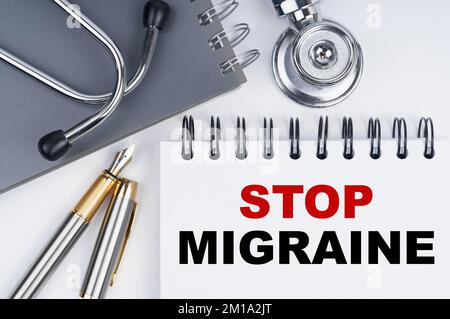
<point x="185" y="71"/>
<point x="396" y="246"/>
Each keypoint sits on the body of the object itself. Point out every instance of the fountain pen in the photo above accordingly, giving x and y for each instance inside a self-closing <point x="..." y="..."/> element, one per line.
<point x="72" y="228"/>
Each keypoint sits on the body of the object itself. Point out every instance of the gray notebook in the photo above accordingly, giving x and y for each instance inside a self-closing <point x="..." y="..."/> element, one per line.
<point x="185" y="72"/>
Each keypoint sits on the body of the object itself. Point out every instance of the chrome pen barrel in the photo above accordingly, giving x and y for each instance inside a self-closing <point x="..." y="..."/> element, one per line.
<point x="111" y="241"/>
<point x="50" y="257"/>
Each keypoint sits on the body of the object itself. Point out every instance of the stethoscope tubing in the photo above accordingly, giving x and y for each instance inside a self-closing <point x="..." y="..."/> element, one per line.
<point x="68" y="91"/>
<point x="57" y="143"/>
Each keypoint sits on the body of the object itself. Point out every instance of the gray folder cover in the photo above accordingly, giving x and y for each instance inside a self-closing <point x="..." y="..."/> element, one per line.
<point x="184" y="73"/>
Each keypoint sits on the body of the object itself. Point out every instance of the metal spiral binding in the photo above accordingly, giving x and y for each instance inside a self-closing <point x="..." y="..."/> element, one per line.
<point x="241" y="140"/>
<point x="234" y="35"/>
<point x="347" y="135"/>
<point x="426" y="130"/>
<point x="243" y="60"/>
<point x="216" y="136"/>
<point x="322" y="138"/>
<point x="400" y="132"/>
<point x="374" y="134"/>
<point x="294" y="136"/>
<point x="220" y="11"/>
<point x="268" y="139"/>
<point x="187" y="137"/>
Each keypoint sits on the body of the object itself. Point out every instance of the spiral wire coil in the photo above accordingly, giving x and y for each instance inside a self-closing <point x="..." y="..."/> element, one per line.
<point x="399" y="133"/>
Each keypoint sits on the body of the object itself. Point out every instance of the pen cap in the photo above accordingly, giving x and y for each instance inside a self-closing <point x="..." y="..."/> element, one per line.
<point x="111" y="241"/>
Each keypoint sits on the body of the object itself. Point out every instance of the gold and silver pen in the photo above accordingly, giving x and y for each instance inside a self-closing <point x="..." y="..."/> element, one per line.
<point x="72" y="228"/>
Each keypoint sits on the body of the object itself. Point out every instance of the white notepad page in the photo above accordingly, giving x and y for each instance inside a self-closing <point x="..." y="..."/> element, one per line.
<point x="204" y="195"/>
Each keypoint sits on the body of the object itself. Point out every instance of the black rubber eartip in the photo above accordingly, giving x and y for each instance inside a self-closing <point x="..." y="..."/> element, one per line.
<point x="156" y="14"/>
<point x="54" y="145"/>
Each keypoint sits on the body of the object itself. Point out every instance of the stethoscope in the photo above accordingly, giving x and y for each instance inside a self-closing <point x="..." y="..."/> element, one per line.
<point x="316" y="62"/>
<point x="56" y="144"/>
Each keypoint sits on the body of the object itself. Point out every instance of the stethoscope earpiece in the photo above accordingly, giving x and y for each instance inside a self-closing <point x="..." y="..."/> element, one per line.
<point x="317" y="63"/>
<point x="156" y="14"/>
<point x="54" y="145"/>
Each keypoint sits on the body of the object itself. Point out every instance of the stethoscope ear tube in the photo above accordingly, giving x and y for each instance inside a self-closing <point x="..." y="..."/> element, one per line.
<point x="56" y="144"/>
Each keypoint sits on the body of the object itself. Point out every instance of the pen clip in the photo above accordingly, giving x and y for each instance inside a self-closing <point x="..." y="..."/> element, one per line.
<point x="127" y="236"/>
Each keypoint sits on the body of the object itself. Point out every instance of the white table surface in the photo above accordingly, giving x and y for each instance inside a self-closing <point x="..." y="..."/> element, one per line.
<point x="407" y="73"/>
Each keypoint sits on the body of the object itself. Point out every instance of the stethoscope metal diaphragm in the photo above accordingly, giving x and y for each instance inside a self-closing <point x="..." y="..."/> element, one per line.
<point x="319" y="64"/>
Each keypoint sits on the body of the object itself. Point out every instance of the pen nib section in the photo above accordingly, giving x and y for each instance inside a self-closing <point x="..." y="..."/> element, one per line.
<point x="121" y="160"/>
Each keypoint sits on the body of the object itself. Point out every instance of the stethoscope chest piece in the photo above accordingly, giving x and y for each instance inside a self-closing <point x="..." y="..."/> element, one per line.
<point x="317" y="63"/>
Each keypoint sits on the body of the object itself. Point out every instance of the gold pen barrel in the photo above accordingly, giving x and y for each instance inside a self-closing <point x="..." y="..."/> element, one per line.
<point x="89" y="204"/>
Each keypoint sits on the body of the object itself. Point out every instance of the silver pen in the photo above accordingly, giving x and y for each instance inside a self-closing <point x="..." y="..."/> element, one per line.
<point x="72" y="228"/>
<point x="111" y="242"/>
